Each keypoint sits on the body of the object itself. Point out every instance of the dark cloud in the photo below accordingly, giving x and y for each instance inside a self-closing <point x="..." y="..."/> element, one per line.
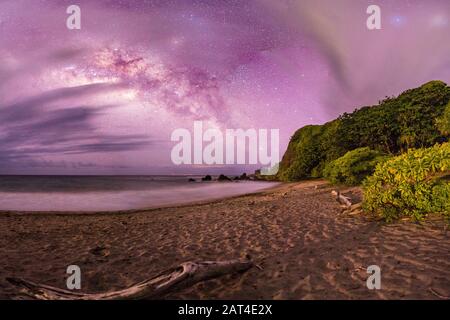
<point x="33" y="106"/>
<point x="29" y="129"/>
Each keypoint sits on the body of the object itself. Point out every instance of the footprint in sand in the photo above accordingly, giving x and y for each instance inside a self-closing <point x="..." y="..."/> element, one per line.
<point x="99" y="251"/>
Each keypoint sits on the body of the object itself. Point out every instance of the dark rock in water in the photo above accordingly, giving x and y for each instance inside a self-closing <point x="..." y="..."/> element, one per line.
<point x="207" y="178"/>
<point x="244" y="177"/>
<point x="223" y="178"/>
<point x="191" y="180"/>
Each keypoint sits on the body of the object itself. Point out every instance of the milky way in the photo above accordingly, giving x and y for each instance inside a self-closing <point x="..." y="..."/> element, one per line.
<point x="105" y="99"/>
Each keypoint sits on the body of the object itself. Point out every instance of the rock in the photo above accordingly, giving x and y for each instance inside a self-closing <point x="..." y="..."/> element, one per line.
<point x="223" y="178"/>
<point x="191" y="180"/>
<point x="244" y="177"/>
<point x="207" y="178"/>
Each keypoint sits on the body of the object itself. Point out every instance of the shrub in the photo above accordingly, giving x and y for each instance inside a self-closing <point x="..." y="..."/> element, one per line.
<point x="353" y="167"/>
<point x="413" y="184"/>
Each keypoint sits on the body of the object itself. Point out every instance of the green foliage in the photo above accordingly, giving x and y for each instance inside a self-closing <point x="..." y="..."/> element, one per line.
<point x="443" y="122"/>
<point x="309" y="150"/>
<point x="397" y="124"/>
<point x="412" y="120"/>
<point x="353" y="167"/>
<point x="303" y="142"/>
<point x="413" y="184"/>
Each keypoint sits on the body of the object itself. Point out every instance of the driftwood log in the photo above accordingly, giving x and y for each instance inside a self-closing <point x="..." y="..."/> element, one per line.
<point x="343" y="200"/>
<point x="187" y="274"/>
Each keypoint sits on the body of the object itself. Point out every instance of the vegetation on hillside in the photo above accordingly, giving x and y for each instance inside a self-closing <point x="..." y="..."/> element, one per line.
<point x="398" y="149"/>
<point x="417" y="118"/>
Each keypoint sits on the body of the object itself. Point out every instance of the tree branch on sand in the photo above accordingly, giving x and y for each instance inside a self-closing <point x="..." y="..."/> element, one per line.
<point x="183" y="276"/>
<point x="343" y="200"/>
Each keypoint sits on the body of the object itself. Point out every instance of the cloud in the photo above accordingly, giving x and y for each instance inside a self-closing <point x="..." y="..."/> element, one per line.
<point x="31" y="107"/>
<point x="369" y="65"/>
<point x="17" y="64"/>
<point x="31" y="129"/>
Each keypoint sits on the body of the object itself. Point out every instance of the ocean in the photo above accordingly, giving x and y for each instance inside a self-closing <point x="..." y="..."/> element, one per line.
<point x="112" y="193"/>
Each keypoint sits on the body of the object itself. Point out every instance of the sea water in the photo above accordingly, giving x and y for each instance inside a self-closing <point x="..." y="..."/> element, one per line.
<point x="112" y="193"/>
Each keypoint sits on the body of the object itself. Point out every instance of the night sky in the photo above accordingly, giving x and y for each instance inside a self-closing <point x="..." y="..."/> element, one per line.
<point x="105" y="99"/>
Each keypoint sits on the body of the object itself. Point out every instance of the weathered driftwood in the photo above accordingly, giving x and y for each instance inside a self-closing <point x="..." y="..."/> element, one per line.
<point x="343" y="200"/>
<point x="437" y="294"/>
<point x="187" y="274"/>
<point x="355" y="209"/>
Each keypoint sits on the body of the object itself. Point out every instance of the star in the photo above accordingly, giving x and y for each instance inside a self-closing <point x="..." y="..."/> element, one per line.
<point x="398" y="20"/>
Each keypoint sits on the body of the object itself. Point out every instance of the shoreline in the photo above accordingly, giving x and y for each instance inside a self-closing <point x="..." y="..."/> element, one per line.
<point x="296" y="232"/>
<point x="279" y="185"/>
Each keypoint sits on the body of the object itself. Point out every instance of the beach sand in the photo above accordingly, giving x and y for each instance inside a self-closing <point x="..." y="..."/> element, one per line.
<point x="297" y="233"/>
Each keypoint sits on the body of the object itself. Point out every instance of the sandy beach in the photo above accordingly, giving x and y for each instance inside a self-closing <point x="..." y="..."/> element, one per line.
<point x="306" y="246"/>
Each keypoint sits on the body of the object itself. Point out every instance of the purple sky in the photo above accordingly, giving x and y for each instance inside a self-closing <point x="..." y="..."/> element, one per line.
<point x="105" y="99"/>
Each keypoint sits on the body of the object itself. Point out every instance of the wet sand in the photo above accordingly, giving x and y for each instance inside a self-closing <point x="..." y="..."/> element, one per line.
<point x="307" y="248"/>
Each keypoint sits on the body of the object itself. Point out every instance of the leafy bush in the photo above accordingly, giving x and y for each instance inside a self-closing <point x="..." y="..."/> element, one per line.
<point x="413" y="184"/>
<point x="353" y="167"/>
